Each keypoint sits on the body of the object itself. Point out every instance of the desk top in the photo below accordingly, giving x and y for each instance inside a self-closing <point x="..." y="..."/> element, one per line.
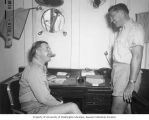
<point x="73" y="82"/>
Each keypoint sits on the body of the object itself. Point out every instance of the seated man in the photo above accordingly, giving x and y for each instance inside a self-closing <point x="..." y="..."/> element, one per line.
<point x="34" y="94"/>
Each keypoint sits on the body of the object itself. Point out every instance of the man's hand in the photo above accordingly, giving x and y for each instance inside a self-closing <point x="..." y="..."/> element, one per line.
<point x="51" y="77"/>
<point x="128" y="92"/>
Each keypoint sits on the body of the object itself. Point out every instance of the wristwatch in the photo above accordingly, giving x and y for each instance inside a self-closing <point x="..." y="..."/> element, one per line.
<point x="132" y="81"/>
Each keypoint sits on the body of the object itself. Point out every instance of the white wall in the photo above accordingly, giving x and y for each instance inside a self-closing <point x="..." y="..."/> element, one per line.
<point x="94" y="35"/>
<point x="87" y="36"/>
<point x="12" y="58"/>
<point x="60" y="45"/>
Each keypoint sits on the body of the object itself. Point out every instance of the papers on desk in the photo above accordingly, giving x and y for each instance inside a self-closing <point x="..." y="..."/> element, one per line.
<point x="95" y="80"/>
<point x="92" y="78"/>
<point x="86" y="72"/>
<point x="58" y="80"/>
<point x="62" y="73"/>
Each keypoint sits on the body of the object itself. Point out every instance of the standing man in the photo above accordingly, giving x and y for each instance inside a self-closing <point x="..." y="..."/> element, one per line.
<point x="127" y="57"/>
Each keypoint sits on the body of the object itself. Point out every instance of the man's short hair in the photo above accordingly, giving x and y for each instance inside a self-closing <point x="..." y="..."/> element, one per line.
<point x="119" y="6"/>
<point x="32" y="51"/>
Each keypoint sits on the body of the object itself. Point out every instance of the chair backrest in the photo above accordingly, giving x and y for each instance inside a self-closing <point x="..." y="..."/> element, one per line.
<point x="140" y="100"/>
<point x="13" y="93"/>
<point x="144" y="87"/>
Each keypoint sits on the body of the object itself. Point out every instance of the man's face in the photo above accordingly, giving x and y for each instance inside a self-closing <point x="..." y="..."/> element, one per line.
<point x="45" y="52"/>
<point x="116" y="18"/>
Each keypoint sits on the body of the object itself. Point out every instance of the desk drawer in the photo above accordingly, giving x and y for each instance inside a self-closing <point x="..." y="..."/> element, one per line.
<point x="98" y="99"/>
<point x="96" y="109"/>
<point x="98" y="103"/>
<point x="73" y="93"/>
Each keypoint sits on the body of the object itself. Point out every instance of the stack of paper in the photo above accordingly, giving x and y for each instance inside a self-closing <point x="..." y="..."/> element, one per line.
<point x="85" y="72"/>
<point x="62" y="73"/>
<point x="95" y="80"/>
<point x="58" y="79"/>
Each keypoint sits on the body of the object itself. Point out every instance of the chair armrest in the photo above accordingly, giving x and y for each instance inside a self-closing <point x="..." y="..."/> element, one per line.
<point x="15" y="111"/>
<point x="57" y="97"/>
<point x="136" y="97"/>
<point x="139" y="105"/>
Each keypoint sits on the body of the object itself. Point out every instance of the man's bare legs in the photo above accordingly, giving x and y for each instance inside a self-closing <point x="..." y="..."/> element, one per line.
<point x="128" y="109"/>
<point x="118" y="105"/>
<point x="66" y="108"/>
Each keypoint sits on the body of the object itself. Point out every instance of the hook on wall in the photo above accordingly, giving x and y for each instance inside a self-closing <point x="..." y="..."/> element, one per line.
<point x="37" y="8"/>
<point x="40" y="33"/>
<point x="97" y="3"/>
<point x="64" y="33"/>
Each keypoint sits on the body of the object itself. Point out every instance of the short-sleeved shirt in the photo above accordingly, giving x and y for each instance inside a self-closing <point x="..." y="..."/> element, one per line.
<point x="34" y="84"/>
<point x="130" y="35"/>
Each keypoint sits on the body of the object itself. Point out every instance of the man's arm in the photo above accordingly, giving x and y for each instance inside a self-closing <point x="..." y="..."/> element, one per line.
<point x="135" y="66"/>
<point x="40" y="88"/>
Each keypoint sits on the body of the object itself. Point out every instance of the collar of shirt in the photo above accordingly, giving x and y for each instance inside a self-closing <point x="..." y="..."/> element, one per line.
<point x="127" y="24"/>
<point x="42" y="66"/>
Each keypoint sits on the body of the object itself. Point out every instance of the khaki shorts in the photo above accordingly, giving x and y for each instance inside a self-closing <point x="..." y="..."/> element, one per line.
<point x="120" y="78"/>
<point x="34" y="107"/>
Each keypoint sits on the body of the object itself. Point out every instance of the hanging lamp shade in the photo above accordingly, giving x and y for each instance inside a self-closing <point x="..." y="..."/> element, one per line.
<point x="51" y="3"/>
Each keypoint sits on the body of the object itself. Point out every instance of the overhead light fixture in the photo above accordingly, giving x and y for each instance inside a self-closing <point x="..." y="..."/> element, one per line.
<point x="50" y="3"/>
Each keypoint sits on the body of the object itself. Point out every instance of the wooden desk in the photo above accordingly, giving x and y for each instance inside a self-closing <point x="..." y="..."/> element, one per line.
<point x="90" y="99"/>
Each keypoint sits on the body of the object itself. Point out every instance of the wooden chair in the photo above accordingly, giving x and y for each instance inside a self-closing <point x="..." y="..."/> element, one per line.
<point x="140" y="100"/>
<point x="140" y="105"/>
<point x="13" y="93"/>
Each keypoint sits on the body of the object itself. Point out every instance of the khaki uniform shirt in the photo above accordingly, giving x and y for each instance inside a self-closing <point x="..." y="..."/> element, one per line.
<point x="130" y="35"/>
<point x="34" y="84"/>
